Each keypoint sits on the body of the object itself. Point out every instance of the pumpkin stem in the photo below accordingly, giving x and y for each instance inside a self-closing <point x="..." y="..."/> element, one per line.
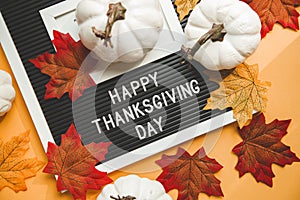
<point x="123" y="198"/>
<point x="216" y="33"/>
<point x="115" y="12"/>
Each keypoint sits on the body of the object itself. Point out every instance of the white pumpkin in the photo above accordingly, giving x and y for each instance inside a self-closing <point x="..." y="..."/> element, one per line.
<point x="241" y="24"/>
<point x="131" y="37"/>
<point x="7" y="92"/>
<point x="134" y="186"/>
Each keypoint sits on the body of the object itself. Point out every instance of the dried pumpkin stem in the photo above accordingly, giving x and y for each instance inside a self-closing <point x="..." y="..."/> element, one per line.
<point x="115" y="12"/>
<point x="123" y="198"/>
<point x="216" y="33"/>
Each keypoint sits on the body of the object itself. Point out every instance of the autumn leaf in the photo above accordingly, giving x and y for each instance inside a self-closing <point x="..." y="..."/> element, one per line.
<point x="262" y="147"/>
<point x="64" y="68"/>
<point x="14" y="168"/>
<point x="190" y="175"/>
<point x="75" y="164"/>
<point x="184" y="7"/>
<point x="272" y="11"/>
<point x="242" y="91"/>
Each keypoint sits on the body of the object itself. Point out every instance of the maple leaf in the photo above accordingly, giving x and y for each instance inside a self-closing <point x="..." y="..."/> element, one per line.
<point x="242" y="91"/>
<point x="262" y="147"/>
<point x="273" y="11"/>
<point x="75" y="164"/>
<point x="190" y="175"/>
<point x="14" y="168"/>
<point x="64" y="68"/>
<point x="184" y="7"/>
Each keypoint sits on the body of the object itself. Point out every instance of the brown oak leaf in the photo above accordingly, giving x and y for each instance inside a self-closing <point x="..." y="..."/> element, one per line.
<point x="242" y="91"/>
<point x="190" y="175"/>
<point x="75" y="164"/>
<point x="184" y="7"/>
<point x="64" y="68"/>
<point x="14" y="168"/>
<point x="261" y="147"/>
<point x="273" y="11"/>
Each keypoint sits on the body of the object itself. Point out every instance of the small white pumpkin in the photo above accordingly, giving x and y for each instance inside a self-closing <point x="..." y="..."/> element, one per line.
<point x="7" y="92"/>
<point x="131" y="37"/>
<point x="134" y="186"/>
<point x="241" y="24"/>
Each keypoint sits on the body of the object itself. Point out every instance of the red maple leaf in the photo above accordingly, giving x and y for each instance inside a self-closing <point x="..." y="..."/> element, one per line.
<point x="262" y="147"/>
<point x="190" y="175"/>
<point x="272" y="11"/>
<point x="64" y="68"/>
<point x="75" y="164"/>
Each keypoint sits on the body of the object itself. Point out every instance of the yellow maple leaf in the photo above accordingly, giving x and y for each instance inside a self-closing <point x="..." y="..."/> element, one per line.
<point x="14" y="168"/>
<point x="243" y="92"/>
<point x="184" y="7"/>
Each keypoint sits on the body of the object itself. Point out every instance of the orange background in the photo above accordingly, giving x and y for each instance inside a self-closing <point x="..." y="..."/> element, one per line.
<point x="278" y="58"/>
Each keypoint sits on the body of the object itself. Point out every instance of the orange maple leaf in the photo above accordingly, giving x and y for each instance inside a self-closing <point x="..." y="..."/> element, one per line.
<point x="75" y="164"/>
<point x="14" y="168"/>
<point x="184" y="7"/>
<point x="64" y="68"/>
<point x="242" y="91"/>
